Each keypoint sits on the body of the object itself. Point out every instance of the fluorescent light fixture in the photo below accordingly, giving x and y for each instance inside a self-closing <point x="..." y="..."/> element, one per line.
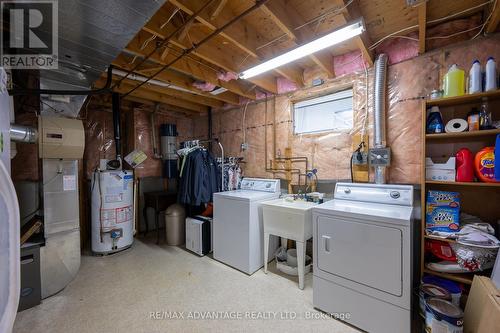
<point x="219" y="90"/>
<point x="338" y="36"/>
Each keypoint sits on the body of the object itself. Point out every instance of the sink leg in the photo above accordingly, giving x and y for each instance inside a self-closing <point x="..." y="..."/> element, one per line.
<point x="266" y="250"/>
<point x="301" y="257"/>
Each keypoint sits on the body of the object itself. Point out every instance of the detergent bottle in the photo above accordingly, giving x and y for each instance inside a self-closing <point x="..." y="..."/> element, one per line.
<point x="465" y="165"/>
<point x="475" y="78"/>
<point x="454" y="82"/>
<point x="484" y="165"/>
<point x="491" y="75"/>
<point x="497" y="161"/>
<point x="435" y="121"/>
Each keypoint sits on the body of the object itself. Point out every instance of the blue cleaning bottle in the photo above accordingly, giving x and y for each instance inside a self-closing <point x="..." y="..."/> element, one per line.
<point x="497" y="158"/>
<point x="435" y="121"/>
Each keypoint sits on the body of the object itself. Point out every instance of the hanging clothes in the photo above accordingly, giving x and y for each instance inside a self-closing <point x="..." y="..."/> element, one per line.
<point x="199" y="177"/>
<point x="232" y="173"/>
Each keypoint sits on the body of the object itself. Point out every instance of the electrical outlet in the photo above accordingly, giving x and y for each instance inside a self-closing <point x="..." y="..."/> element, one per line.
<point x="360" y="158"/>
<point x="244" y="146"/>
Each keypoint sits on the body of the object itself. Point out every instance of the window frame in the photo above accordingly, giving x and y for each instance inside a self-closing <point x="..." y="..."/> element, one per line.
<point x="331" y="130"/>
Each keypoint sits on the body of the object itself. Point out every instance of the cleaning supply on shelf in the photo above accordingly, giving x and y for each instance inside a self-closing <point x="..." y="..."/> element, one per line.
<point x="485" y="116"/>
<point x="497" y="161"/>
<point x="473" y="120"/>
<point x="440" y="168"/>
<point x="427" y="291"/>
<point x="456" y="125"/>
<point x="491" y="75"/>
<point x="442" y="211"/>
<point x="443" y="317"/>
<point x="451" y="286"/>
<point x="484" y="165"/>
<point x="475" y="79"/>
<point x="464" y="165"/>
<point x="435" y="121"/>
<point x="454" y="82"/>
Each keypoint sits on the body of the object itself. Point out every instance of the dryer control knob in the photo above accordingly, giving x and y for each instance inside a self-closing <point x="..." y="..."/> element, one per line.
<point x="395" y="194"/>
<point x="347" y="190"/>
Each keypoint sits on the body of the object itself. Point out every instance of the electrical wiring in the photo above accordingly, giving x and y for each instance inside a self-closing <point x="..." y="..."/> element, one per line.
<point x="243" y="122"/>
<point x="365" y="121"/>
<point x="326" y="14"/>
<point x="377" y="43"/>
<point x="317" y="18"/>
<point x="454" y="34"/>
<point x="486" y="21"/>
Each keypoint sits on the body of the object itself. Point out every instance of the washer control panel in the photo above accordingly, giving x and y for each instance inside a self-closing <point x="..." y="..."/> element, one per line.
<point x="259" y="184"/>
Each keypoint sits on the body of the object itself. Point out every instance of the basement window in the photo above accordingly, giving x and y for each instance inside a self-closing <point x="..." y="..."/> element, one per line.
<point x="331" y="112"/>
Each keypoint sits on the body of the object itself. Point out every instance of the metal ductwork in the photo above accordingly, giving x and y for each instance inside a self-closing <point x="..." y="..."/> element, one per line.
<point x="20" y="133"/>
<point x="91" y="34"/>
<point x="380" y="154"/>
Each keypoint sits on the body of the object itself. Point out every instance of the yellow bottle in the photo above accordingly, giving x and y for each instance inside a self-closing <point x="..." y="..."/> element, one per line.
<point x="454" y="82"/>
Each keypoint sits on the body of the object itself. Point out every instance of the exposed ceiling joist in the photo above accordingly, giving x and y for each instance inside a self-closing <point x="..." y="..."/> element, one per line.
<point x="178" y="80"/>
<point x="287" y="18"/>
<point x="187" y="66"/>
<point x="151" y="93"/>
<point x="494" y="19"/>
<point x="211" y="53"/>
<point x="244" y="37"/>
<point x="422" y="26"/>
<point x="351" y="12"/>
<point x="185" y="96"/>
<point x="218" y="9"/>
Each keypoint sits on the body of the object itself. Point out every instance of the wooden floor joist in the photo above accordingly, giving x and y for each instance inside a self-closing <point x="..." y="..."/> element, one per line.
<point x="180" y="80"/>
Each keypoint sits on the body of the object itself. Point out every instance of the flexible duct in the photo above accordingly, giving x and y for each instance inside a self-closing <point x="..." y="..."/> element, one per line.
<point x="20" y="133"/>
<point x="379" y="113"/>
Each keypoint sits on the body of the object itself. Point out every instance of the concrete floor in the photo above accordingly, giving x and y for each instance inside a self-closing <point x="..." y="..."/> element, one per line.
<point x="123" y="292"/>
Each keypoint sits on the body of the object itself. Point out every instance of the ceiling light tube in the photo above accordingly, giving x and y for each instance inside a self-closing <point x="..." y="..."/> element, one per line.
<point x="338" y="36"/>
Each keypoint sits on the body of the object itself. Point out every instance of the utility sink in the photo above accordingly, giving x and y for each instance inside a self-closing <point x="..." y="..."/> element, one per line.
<point x="288" y="219"/>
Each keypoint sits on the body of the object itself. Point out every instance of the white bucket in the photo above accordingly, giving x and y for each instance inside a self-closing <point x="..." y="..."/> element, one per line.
<point x="443" y="317"/>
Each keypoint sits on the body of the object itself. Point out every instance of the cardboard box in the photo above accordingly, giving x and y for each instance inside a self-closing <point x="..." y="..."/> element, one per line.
<point x="482" y="312"/>
<point x="442" y="211"/>
<point x="440" y="169"/>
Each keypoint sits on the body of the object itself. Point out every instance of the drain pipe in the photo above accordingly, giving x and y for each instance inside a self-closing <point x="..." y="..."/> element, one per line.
<point x="152" y="120"/>
<point x="117" y="162"/>
<point x="379" y="115"/>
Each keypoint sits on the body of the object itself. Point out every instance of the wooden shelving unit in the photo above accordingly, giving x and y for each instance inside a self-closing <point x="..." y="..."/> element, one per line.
<point x="475" y="184"/>
<point x="477" y="198"/>
<point x="465" y="135"/>
<point x="458" y="277"/>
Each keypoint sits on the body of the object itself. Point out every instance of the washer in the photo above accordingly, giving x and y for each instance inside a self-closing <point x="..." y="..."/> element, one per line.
<point x="237" y="224"/>
<point x="362" y="243"/>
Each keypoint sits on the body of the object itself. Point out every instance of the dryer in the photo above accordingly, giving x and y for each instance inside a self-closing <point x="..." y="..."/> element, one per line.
<point x="237" y="224"/>
<point x="362" y="243"/>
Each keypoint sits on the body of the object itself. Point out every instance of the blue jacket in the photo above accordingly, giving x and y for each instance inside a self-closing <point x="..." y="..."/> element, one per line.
<point x="200" y="178"/>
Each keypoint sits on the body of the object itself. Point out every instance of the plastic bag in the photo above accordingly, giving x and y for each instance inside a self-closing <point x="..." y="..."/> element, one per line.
<point x="280" y="254"/>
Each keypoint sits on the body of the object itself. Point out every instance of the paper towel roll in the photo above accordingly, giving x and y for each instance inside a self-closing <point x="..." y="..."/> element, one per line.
<point x="456" y="125"/>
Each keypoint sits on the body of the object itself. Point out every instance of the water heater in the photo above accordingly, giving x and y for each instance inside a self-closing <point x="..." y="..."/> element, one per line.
<point x="112" y="210"/>
<point x="168" y="133"/>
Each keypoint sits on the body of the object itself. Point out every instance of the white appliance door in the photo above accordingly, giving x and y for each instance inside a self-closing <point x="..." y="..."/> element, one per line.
<point x="9" y="251"/>
<point x="361" y="252"/>
<point x="231" y="232"/>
